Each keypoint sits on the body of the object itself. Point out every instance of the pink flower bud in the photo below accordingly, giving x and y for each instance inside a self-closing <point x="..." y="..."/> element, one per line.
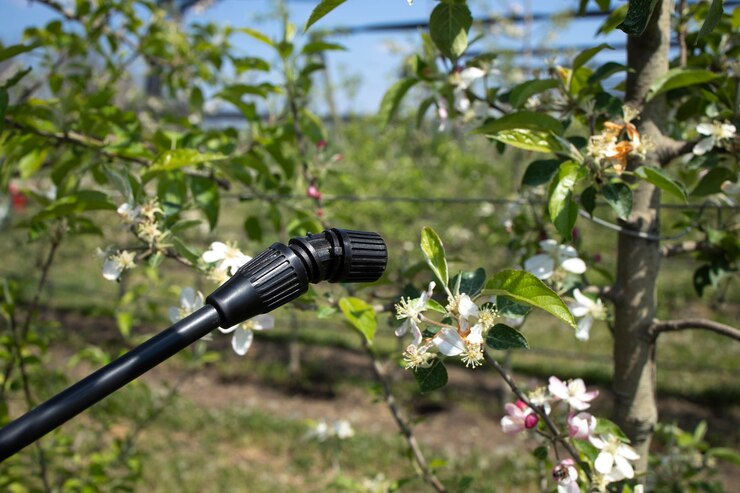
<point x="320" y="145"/>
<point x="521" y="405"/>
<point x="575" y="233"/>
<point x="531" y="420"/>
<point x="581" y="425"/>
<point x="313" y="192"/>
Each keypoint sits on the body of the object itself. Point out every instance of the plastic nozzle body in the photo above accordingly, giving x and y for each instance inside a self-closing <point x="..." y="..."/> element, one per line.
<point x="282" y="273"/>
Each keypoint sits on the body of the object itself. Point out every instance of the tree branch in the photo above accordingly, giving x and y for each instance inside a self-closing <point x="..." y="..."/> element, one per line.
<point x="660" y="326"/>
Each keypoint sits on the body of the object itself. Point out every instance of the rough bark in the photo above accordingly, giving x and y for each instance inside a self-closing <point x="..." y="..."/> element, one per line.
<point x="638" y="258"/>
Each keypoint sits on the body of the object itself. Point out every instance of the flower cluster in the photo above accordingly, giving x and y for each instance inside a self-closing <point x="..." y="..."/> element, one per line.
<point x="462" y="334"/>
<point x="613" y="462"/>
<point x="115" y="263"/>
<point x="341" y="429"/>
<point x="616" y="142"/>
<point x="144" y="221"/>
<point x="716" y="135"/>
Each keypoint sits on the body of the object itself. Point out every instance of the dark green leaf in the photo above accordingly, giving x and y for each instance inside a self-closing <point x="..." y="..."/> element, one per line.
<point x="434" y="252"/>
<point x="15" y="50"/>
<point x="712" y="181"/>
<point x="392" y="99"/>
<point x="525" y="288"/>
<point x="638" y="16"/>
<point x="316" y="46"/>
<point x="172" y="192"/>
<point x="501" y="336"/>
<point x="588" y="200"/>
<point x="613" y="20"/>
<point x="540" y="453"/>
<point x="713" y="16"/>
<point x="660" y="179"/>
<point x="361" y="315"/>
<point x="253" y="228"/>
<point x="521" y="93"/>
<point x="508" y="308"/>
<point x="432" y="378"/>
<point x="16" y="78"/>
<point x="619" y="196"/>
<point x="583" y="57"/>
<point x="470" y="282"/>
<point x="679" y="77"/>
<point x="321" y="10"/>
<point x="701" y="279"/>
<point x="448" y="28"/>
<point x="76" y="203"/>
<point x="540" y="172"/>
<point x="206" y="196"/>
<point x="604" y="71"/>
<point x="563" y="210"/>
<point x="530" y="120"/>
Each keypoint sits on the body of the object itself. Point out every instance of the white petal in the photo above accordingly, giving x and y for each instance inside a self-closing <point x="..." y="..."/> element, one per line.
<point x="627" y="452"/>
<point x="111" y="270"/>
<point x="469" y="75"/>
<point x="604" y="462"/>
<point x="476" y="334"/>
<point x="597" y="442"/>
<point x="402" y="329"/>
<point x="228" y="330"/>
<point x="187" y="297"/>
<point x="558" y="388"/>
<point x="728" y="131"/>
<point x="567" y="251"/>
<point x="263" y="322"/>
<point x="241" y="341"/>
<point x="574" y="265"/>
<point x="510" y="425"/>
<point x="542" y="266"/>
<point x="549" y="246"/>
<point x="466" y="307"/>
<point x="584" y="328"/>
<point x="216" y="253"/>
<point x="449" y="342"/>
<point x="623" y="466"/>
<point x="705" y="128"/>
<point x="415" y="334"/>
<point x="174" y="314"/>
<point x="582" y="298"/>
<point x="578" y="310"/>
<point x="704" y="146"/>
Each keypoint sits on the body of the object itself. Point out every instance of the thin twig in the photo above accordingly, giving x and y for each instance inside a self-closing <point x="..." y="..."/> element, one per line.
<point x="661" y="326"/>
<point x="406" y="430"/>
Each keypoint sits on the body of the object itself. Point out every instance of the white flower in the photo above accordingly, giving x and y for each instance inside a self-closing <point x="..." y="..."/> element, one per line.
<point x="450" y="343"/>
<point x="613" y="459"/>
<point x="343" y="429"/>
<point x="574" y="392"/>
<point x="128" y="213"/>
<point x="114" y="265"/>
<point x="566" y="475"/>
<point x="540" y="397"/>
<point x="410" y="311"/>
<point x="581" y="425"/>
<point x="226" y="257"/>
<point x="320" y="431"/>
<point x="243" y="335"/>
<point x="556" y="256"/>
<point x="190" y="300"/>
<point x="464" y="79"/>
<point x="716" y="132"/>
<point x="587" y="310"/>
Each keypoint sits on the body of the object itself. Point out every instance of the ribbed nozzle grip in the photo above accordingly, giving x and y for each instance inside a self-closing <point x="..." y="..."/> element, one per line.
<point x="366" y="256"/>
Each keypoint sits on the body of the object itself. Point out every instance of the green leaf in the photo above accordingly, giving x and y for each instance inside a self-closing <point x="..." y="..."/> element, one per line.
<point x="614" y="20"/>
<point x="15" y="50"/>
<point x="607" y="427"/>
<point x="448" y="28"/>
<point x="76" y="203"/>
<point x="257" y="35"/>
<point x="638" y="16"/>
<point x="540" y="172"/>
<point x="432" y="378"/>
<point x="253" y="228"/>
<point x="604" y="71"/>
<point x="712" y="181"/>
<point x="3" y="108"/>
<point x="470" y="283"/>
<point x="583" y="57"/>
<point x="434" y="252"/>
<point x="501" y="336"/>
<point x="530" y="120"/>
<point x="619" y="196"/>
<point x="530" y="140"/>
<point x="321" y="10"/>
<point x="679" y="77"/>
<point x="588" y="200"/>
<point x="713" y="16"/>
<point x="660" y="179"/>
<point x="561" y="206"/>
<point x="179" y="158"/>
<point x="172" y="191"/>
<point x="392" y="99"/>
<point x="725" y="454"/>
<point x="506" y="307"/>
<point x="206" y="196"/>
<point x="525" y="288"/>
<point x="316" y="46"/>
<point x="521" y="93"/>
<point x="361" y="315"/>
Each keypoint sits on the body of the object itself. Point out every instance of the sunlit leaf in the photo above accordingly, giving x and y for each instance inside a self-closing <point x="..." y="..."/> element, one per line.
<point x="679" y="77"/>
<point x="360" y="315"/>
<point x="525" y="288"/>
<point x="561" y="206"/>
<point x="521" y="93"/>
<point x="448" y="28"/>
<point x="434" y="252"/>
<point x="713" y="16"/>
<point x="501" y="336"/>
<point x="392" y="99"/>
<point x="660" y="179"/>
<point x="321" y="10"/>
<point x="619" y="197"/>
<point x="179" y="158"/>
<point x="530" y="120"/>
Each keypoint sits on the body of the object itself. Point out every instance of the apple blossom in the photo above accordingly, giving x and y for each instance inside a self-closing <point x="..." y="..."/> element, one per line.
<point x="555" y="257"/>
<point x="613" y="461"/>
<point x="565" y="475"/>
<point x="243" y="332"/>
<point x="574" y="392"/>
<point x="716" y="133"/>
<point x="410" y="311"/>
<point x="114" y="265"/>
<point x="587" y="310"/>
<point x="515" y="420"/>
<point x="227" y="258"/>
<point x="128" y="213"/>
<point x="190" y="300"/>
<point x="581" y="425"/>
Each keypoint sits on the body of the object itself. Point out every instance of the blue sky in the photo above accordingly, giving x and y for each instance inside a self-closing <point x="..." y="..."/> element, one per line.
<point x="374" y="58"/>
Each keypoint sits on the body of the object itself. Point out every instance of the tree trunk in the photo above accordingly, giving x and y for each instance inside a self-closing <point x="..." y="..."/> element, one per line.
<point x="638" y="256"/>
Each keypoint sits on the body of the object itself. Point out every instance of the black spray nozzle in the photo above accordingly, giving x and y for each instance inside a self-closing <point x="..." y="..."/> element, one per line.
<point x="282" y="273"/>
